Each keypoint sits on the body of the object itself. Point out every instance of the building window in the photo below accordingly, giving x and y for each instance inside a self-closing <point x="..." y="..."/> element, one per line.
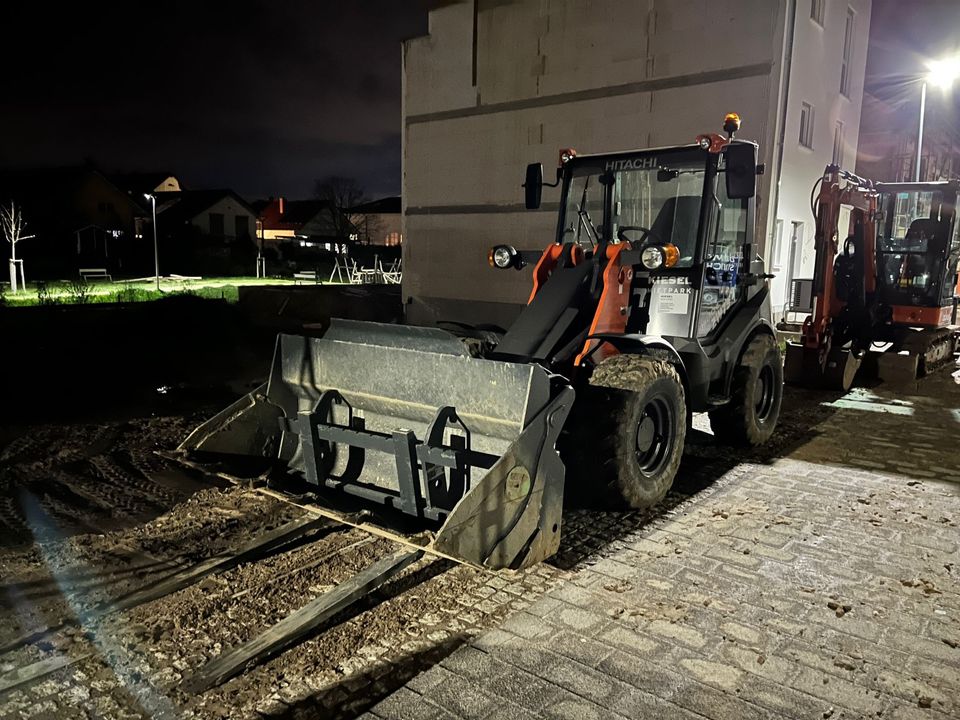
<point x="241" y="227"/>
<point x="216" y="224"/>
<point x="776" y="260"/>
<point x="806" y="125"/>
<point x="816" y="11"/>
<point x="838" y="144"/>
<point x="847" y="54"/>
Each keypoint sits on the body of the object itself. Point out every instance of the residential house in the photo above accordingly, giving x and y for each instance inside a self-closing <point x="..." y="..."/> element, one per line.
<point x="79" y="218"/>
<point x="142" y="183"/>
<point x="280" y="220"/>
<point x="379" y="222"/>
<point x="205" y="232"/>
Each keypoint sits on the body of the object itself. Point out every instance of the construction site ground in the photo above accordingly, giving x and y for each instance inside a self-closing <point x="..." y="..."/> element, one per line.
<point x="815" y="577"/>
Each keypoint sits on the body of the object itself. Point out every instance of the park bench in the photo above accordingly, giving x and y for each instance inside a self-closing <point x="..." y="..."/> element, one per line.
<point x="95" y="274"/>
<point x="307" y="276"/>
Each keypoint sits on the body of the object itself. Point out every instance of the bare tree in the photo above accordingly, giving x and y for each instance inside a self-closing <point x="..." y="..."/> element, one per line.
<point x="14" y="226"/>
<point x="341" y="195"/>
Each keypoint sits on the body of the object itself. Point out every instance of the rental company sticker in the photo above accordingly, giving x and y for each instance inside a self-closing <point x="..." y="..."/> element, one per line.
<point x="673" y="301"/>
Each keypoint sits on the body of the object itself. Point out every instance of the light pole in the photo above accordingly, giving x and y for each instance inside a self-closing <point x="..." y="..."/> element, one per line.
<point x="941" y="73"/>
<point x="156" y="254"/>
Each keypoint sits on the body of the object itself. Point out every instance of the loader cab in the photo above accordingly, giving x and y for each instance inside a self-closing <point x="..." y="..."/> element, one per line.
<point x="918" y="246"/>
<point x="688" y="237"/>
<point x="649" y="244"/>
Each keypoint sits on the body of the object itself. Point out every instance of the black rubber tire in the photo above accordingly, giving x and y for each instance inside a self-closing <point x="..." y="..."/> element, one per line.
<point x="750" y="417"/>
<point x="627" y="435"/>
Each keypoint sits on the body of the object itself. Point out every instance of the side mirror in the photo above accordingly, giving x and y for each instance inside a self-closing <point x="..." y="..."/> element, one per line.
<point x="741" y="170"/>
<point x="533" y="186"/>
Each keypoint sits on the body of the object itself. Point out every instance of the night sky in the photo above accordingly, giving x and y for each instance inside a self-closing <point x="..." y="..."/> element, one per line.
<point x="905" y="34"/>
<point x="266" y="97"/>
<point x="263" y="97"/>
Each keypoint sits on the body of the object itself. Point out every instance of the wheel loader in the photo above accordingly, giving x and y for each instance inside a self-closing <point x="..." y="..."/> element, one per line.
<point x="648" y="305"/>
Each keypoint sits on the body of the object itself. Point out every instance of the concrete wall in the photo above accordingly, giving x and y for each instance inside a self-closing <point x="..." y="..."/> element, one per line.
<point x="815" y="79"/>
<point x="541" y="75"/>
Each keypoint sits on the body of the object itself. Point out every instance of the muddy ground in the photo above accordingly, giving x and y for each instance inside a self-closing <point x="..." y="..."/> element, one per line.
<point x="89" y="513"/>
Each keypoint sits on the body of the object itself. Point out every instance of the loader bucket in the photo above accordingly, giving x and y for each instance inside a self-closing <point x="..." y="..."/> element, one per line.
<point x="404" y="417"/>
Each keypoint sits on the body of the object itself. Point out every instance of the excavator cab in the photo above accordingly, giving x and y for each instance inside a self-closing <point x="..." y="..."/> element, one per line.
<point x="918" y="247"/>
<point x="885" y="297"/>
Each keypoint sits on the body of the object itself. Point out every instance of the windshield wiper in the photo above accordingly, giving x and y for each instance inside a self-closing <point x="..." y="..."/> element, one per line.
<point x="584" y="217"/>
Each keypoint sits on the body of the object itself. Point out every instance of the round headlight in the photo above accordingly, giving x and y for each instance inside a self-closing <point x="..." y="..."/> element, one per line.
<point x="502" y="257"/>
<point x="652" y="258"/>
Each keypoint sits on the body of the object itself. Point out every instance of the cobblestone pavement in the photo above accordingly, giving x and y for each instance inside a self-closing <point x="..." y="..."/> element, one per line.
<point x="813" y="579"/>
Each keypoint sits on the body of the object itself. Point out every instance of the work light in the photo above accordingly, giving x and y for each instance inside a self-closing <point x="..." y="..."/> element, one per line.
<point x="502" y="256"/>
<point x="652" y="257"/>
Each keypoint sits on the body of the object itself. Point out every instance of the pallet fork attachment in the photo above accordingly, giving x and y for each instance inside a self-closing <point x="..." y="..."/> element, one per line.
<point x="405" y="418"/>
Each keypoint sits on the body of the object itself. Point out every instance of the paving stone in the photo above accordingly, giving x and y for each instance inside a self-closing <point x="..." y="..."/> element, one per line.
<point x="617" y="635"/>
<point x="724" y="603"/>
<point x="525" y="689"/>
<point x="473" y="664"/>
<point x="574" y="708"/>
<point x="463" y="699"/>
<point x="586" y="651"/>
<point x="405" y="704"/>
<point x="508" y="711"/>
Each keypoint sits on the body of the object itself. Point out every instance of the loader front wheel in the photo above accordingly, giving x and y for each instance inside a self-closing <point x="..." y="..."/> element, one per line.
<point x="757" y="391"/>
<point x="637" y="419"/>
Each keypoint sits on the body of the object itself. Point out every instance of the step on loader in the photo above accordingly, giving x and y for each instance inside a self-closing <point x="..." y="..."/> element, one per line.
<point x="647" y="306"/>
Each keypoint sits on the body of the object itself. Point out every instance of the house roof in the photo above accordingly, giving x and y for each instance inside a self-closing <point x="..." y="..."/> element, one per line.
<point x="296" y="213"/>
<point x="383" y="206"/>
<point x="185" y="205"/>
<point x="139" y="183"/>
<point x="48" y="194"/>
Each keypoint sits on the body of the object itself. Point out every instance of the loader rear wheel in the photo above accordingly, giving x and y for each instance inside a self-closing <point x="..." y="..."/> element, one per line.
<point x="757" y="391"/>
<point x="632" y="427"/>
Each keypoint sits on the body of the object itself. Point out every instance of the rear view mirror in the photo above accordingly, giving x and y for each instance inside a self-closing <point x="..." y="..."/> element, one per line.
<point x="741" y="170"/>
<point x="533" y="186"/>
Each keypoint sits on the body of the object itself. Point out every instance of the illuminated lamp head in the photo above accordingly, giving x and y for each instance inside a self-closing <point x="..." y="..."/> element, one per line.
<point x="566" y="155"/>
<point x="731" y="124"/>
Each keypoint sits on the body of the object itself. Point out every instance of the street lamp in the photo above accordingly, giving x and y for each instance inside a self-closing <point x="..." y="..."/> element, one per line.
<point x="941" y="73"/>
<point x="156" y="255"/>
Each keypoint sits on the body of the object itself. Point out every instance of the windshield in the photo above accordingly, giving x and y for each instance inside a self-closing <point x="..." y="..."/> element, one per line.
<point x="656" y="204"/>
<point x="912" y="240"/>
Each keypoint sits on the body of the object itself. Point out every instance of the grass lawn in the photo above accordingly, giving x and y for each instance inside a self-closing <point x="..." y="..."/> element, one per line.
<point x="67" y="292"/>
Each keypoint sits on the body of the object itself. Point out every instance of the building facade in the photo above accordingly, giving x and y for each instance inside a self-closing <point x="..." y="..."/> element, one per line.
<point x="497" y="84"/>
<point x="379" y="222"/>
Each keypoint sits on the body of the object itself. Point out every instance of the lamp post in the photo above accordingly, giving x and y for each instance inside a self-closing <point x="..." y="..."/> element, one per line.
<point x="156" y="254"/>
<point x="941" y="73"/>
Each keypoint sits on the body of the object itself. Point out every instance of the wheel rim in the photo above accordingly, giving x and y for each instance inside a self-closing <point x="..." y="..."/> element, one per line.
<point x="765" y="393"/>
<point x="654" y="436"/>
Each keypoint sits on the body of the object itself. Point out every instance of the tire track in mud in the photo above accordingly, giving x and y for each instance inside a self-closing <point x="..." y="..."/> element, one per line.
<point x="85" y="478"/>
<point x="359" y="656"/>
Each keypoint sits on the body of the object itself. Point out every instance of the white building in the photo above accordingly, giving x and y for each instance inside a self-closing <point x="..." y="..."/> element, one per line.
<point x="497" y="84"/>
